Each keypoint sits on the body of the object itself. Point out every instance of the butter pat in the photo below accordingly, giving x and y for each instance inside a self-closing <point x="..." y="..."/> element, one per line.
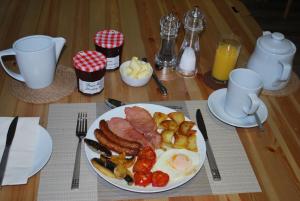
<point x="138" y="69"/>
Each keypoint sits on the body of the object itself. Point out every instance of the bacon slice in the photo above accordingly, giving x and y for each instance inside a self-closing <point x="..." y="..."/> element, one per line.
<point x="154" y="137"/>
<point x="140" y="119"/>
<point x="143" y="122"/>
<point x="124" y="129"/>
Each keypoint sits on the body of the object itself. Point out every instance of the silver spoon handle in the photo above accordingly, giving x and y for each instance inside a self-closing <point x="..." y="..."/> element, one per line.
<point x="258" y="121"/>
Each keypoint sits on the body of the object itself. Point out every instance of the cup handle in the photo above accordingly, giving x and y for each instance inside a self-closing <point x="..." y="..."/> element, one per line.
<point x="286" y="69"/>
<point x="12" y="74"/>
<point x="255" y="102"/>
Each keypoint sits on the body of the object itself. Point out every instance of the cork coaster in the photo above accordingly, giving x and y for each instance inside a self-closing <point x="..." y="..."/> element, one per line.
<point x="63" y="85"/>
<point x="291" y="87"/>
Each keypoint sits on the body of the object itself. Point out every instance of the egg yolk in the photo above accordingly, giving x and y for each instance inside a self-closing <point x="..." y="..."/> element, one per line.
<point x="180" y="162"/>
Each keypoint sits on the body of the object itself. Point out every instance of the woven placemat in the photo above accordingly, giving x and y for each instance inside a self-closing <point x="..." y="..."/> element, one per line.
<point x="290" y="88"/>
<point x="63" y="85"/>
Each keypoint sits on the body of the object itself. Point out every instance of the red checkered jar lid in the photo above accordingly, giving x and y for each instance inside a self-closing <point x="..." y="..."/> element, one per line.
<point x="89" y="61"/>
<point x="109" y="38"/>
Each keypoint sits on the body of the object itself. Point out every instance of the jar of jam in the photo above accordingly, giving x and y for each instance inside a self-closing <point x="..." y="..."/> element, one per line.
<point x="110" y="43"/>
<point x="90" y="70"/>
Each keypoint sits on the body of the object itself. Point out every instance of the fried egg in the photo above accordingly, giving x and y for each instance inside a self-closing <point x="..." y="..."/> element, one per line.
<point x="178" y="163"/>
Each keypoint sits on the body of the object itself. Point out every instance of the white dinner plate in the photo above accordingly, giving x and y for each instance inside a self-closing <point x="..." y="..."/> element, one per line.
<point x="216" y="103"/>
<point x="119" y="112"/>
<point x="43" y="151"/>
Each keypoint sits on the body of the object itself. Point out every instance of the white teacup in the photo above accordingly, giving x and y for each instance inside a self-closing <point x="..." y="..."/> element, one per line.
<point x="36" y="58"/>
<point x="242" y="93"/>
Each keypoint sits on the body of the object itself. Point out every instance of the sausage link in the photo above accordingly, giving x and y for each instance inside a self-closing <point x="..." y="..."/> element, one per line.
<point x="114" y="146"/>
<point x="116" y="139"/>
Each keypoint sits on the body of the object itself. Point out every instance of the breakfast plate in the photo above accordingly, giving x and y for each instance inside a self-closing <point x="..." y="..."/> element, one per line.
<point x="151" y="108"/>
<point x="216" y="103"/>
<point x="43" y="151"/>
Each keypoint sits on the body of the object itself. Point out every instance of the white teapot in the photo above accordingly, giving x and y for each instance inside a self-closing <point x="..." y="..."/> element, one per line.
<point x="272" y="59"/>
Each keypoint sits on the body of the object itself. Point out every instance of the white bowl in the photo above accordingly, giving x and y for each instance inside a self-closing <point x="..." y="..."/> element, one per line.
<point x="133" y="81"/>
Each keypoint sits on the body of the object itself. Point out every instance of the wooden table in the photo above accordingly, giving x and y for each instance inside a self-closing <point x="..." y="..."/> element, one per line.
<point x="273" y="154"/>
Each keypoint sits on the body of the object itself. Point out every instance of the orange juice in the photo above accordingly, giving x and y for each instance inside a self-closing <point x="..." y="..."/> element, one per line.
<point x="225" y="59"/>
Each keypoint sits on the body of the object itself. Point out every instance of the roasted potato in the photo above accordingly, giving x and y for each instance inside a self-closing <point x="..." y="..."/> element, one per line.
<point x="185" y="127"/>
<point x="168" y="125"/>
<point x="180" y="141"/>
<point x="167" y="136"/>
<point x="191" y="132"/>
<point x="166" y="146"/>
<point x="176" y="116"/>
<point x="192" y="143"/>
<point x="159" y="117"/>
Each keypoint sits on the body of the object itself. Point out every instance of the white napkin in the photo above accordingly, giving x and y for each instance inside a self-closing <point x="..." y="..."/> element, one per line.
<point x="22" y="151"/>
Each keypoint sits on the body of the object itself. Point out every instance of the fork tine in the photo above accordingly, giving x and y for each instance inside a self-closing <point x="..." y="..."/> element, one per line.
<point x="78" y="120"/>
<point x="81" y="122"/>
<point x="85" y="123"/>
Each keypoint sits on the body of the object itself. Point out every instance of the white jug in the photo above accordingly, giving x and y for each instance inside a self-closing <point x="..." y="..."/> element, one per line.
<point x="272" y="59"/>
<point x="36" y="57"/>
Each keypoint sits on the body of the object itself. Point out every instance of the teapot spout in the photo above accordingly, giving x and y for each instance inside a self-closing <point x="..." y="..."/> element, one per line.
<point x="59" y="44"/>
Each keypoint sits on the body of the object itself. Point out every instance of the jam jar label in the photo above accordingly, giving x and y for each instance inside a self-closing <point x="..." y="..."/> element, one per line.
<point x="112" y="62"/>
<point x="91" y="87"/>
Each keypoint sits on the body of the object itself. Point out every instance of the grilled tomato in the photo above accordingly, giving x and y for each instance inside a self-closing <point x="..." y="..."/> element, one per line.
<point x="147" y="153"/>
<point x="142" y="179"/>
<point x="159" y="179"/>
<point x="143" y="165"/>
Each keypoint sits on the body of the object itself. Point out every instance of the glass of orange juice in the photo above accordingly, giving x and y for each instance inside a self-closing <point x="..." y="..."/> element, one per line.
<point x="226" y="56"/>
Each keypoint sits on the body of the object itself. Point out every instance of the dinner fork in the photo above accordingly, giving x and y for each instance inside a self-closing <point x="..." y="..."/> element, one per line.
<point x="81" y="130"/>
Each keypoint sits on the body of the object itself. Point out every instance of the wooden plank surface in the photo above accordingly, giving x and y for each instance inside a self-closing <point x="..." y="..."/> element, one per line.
<point x="273" y="154"/>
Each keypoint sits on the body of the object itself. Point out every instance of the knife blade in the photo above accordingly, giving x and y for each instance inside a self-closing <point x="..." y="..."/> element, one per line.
<point x="10" y="136"/>
<point x="210" y="156"/>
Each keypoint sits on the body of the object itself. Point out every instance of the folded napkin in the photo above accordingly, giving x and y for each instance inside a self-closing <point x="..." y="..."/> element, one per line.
<point x="22" y="151"/>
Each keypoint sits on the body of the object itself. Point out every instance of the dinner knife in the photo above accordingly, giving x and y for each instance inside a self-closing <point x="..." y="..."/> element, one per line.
<point x="113" y="103"/>
<point x="210" y="156"/>
<point x="9" y="139"/>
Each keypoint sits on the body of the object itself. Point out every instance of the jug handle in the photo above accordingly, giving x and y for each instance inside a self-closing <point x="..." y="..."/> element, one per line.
<point x="286" y="70"/>
<point x="9" y="52"/>
<point x="255" y="103"/>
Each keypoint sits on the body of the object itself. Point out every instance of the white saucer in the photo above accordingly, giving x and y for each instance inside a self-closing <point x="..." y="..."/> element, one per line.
<point x="43" y="151"/>
<point x="216" y="103"/>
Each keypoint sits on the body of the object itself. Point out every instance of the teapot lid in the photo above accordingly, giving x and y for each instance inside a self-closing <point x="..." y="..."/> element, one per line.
<point x="275" y="43"/>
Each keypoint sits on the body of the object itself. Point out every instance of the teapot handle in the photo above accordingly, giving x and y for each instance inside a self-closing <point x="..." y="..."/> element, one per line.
<point x="286" y="70"/>
<point x="12" y="74"/>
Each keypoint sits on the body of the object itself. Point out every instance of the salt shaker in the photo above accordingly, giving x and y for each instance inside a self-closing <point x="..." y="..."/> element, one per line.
<point x="166" y="57"/>
<point x="190" y="48"/>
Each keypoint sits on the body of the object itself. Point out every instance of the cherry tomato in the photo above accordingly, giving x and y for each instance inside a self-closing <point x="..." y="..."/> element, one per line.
<point x="143" y="165"/>
<point x="147" y="153"/>
<point x="159" y="179"/>
<point x="142" y="179"/>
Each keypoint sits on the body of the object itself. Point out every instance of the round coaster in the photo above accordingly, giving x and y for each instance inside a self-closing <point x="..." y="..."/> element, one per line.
<point x="291" y="87"/>
<point x="212" y="83"/>
<point x="63" y="85"/>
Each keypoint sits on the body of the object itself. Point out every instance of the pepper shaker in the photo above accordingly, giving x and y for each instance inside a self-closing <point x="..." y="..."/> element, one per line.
<point x="166" y="57"/>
